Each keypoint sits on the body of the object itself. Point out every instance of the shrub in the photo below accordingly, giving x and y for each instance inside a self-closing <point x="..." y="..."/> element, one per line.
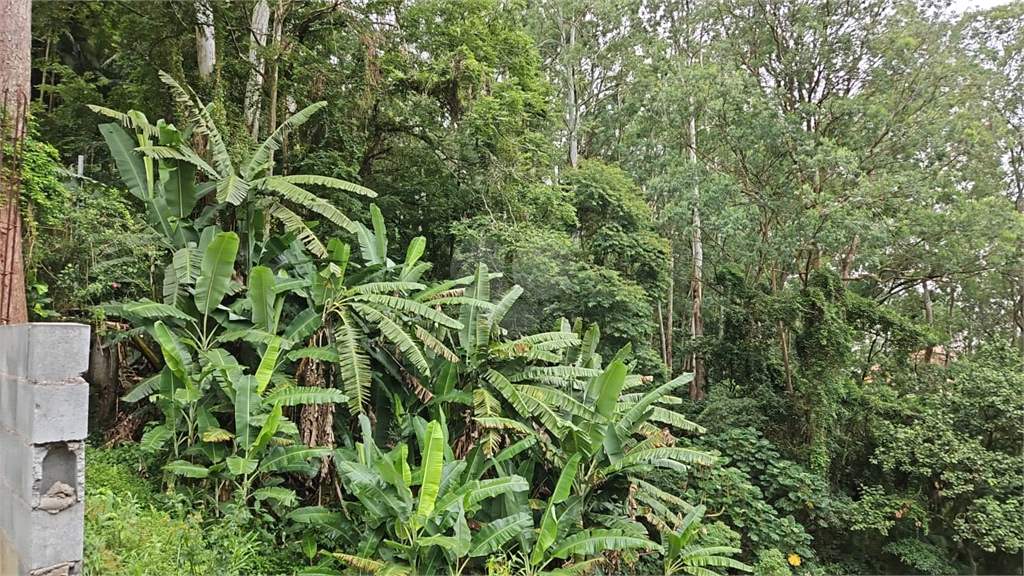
<point x="770" y="562"/>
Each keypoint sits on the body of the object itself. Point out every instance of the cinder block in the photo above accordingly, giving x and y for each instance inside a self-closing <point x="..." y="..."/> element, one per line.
<point x="6" y="458"/>
<point x="60" y="411"/>
<point x="55" y="538"/>
<point x="58" y="351"/>
<point x="8" y="399"/>
<point x="6" y="510"/>
<point x="58" y="462"/>
<point x="17" y="466"/>
<point x="10" y="560"/>
<point x="25" y="407"/>
<point x="22" y="536"/>
<point x="43" y="420"/>
<point x="14" y="345"/>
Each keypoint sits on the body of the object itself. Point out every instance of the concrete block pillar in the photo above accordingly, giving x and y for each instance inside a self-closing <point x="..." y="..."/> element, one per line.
<point x="44" y="414"/>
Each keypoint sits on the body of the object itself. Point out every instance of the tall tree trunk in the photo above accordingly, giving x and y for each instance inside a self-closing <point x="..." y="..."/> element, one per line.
<point x="42" y="81"/>
<point x="279" y="14"/>
<point x="697" y="385"/>
<point x="1019" y="204"/>
<point x="15" y="91"/>
<point x="572" y="119"/>
<point x="670" y="320"/>
<point x="206" y="39"/>
<point x="697" y="318"/>
<point x="254" y="88"/>
<point x="661" y="328"/>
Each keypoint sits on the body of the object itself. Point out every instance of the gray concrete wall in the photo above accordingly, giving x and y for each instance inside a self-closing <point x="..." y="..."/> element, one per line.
<point x="43" y="420"/>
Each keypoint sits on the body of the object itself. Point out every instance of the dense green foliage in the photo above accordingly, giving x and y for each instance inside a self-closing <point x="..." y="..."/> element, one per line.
<point x="518" y="288"/>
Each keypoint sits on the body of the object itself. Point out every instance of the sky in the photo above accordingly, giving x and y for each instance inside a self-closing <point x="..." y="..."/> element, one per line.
<point x="965" y="5"/>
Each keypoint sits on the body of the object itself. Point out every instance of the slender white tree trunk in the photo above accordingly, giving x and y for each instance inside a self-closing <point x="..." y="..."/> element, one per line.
<point x="670" y="321"/>
<point x="572" y="113"/>
<point x="206" y="41"/>
<point x="254" y="88"/>
<point x="280" y="11"/>
<point x="572" y="120"/>
<point x="1019" y="313"/>
<point x="697" y="387"/>
<point x="697" y="318"/>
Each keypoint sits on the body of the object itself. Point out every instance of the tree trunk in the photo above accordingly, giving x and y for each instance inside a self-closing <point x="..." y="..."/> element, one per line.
<point x="254" y="88"/>
<point x="279" y="14"/>
<point x="697" y="385"/>
<point x="929" y="315"/>
<point x="102" y="376"/>
<point x="697" y="319"/>
<point x="952" y="308"/>
<point x="206" y="39"/>
<point x="848" y="260"/>
<point x="1019" y="204"/>
<point x="572" y="119"/>
<point x="671" y="312"/>
<point x="15" y="91"/>
<point x="661" y="328"/>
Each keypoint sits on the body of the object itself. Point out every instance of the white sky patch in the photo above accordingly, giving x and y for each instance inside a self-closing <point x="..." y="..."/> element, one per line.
<point x="961" y="6"/>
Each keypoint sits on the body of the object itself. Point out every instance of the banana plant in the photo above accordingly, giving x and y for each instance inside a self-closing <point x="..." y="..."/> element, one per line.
<point x="562" y="537"/>
<point x="371" y="312"/>
<point x="426" y="531"/>
<point x="250" y="188"/>
<point x="611" y="432"/>
<point x="167" y="187"/>
<point x="619" y="447"/>
<point x="224" y="420"/>
<point x="506" y="382"/>
<point x="684" y="553"/>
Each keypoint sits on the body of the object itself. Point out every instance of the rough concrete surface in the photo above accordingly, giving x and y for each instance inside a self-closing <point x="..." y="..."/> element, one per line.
<point x="43" y="426"/>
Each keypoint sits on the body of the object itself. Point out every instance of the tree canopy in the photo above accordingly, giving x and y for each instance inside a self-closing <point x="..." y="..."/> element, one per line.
<point x="506" y="287"/>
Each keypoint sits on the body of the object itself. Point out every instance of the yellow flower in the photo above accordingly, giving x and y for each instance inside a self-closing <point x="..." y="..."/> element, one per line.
<point x="793" y="560"/>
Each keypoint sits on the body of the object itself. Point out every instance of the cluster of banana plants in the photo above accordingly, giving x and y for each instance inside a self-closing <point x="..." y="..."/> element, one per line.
<point x="426" y="532"/>
<point x="447" y="515"/>
<point x="552" y="387"/>
<point x="223" y="420"/>
<point x="161" y="170"/>
<point x="457" y="516"/>
<point x="473" y="443"/>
